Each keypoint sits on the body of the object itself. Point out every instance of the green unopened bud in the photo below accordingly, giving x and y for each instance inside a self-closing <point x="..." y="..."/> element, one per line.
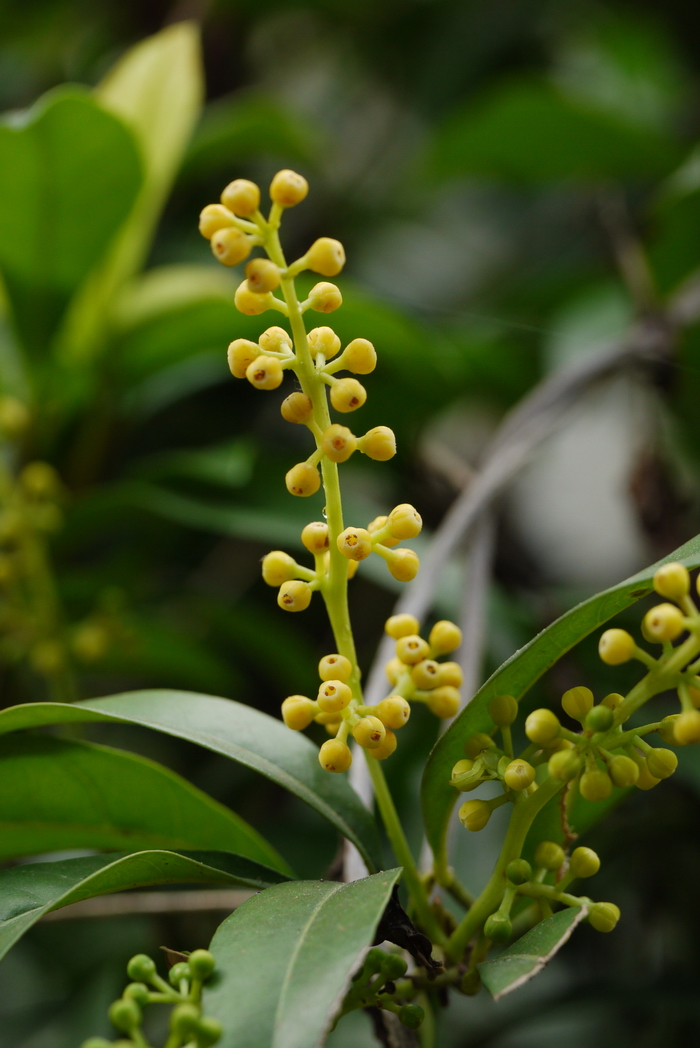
<point x="613" y="700"/>
<point x="477" y="743"/>
<point x="201" y="964"/>
<point x="411" y="1015"/>
<point x="498" y="927"/>
<point x="604" y="916"/>
<point x="178" y="972"/>
<point x="471" y="983"/>
<point x="623" y="771"/>
<point x="465" y="777"/>
<point x="138" y="992"/>
<point x="564" y="765"/>
<point x="687" y="727"/>
<point x="672" y="580"/>
<point x="474" y="815"/>
<point x="519" y="871"/>
<point x="542" y="726"/>
<point x="503" y="709"/>
<point x="518" y="775"/>
<point x="584" y="862"/>
<point x="666" y="729"/>
<point x="184" y="1020"/>
<point x="393" y="966"/>
<point x="141" y="968"/>
<point x="595" y="785"/>
<point x="208" y="1032"/>
<point x="662" y="763"/>
<point x="125" y="1014"/>
<point x="577" y="702"/>
<point x="549" y="854"/>
<point x="600" y="718"/>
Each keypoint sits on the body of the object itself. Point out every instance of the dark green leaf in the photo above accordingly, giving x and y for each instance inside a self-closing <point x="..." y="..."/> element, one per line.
<point x="286" y="957"/>
<point x="245" y="734"/>
<point x="228" y="465"/>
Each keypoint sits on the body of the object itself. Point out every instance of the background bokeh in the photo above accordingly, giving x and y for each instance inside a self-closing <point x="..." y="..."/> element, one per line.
<point x="470" y="157"/>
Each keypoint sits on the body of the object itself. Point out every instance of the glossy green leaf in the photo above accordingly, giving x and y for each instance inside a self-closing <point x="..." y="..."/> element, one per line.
<point x="29" y="891"/>
<point x="61" y="793"/>
<point x="517" y="675"/>
<point x="245" y="734"/>
<point x="528" y="956"/>
<point x="69" y="175"/>
<point x="286" y="957"/>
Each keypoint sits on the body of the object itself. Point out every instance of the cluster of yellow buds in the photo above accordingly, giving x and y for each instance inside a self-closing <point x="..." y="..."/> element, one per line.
<point x="414" y="672"/>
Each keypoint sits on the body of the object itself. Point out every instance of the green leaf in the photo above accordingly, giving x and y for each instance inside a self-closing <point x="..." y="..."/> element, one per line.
<point x="28" y="892"/>
<point x="61" y="793"/>
<point x="531" y="131"/>
<point x="528" y="956"/>
<point x="245" y="734"/>
<point x="229" y="464"/>
<point x="517" y="675"/>
<point x="285" y="959"/>
<point x="69" y="176"/>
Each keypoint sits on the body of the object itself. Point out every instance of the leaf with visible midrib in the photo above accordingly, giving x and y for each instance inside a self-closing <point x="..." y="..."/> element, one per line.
<point x="285" y="959"/>
<point x="245" y="734"/>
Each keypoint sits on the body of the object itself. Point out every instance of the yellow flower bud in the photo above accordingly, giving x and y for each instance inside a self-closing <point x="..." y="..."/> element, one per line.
<point x="359" y="356"/>
<point x="613" y="700"/>
<point x="242" y="197"/>
<point x="411" y="649"/>
<point x="333" y="696"/>
<point x="615" y="647"/>
<point x="519" y="775"/>
<point x="298" y="712"/>
<point x="542" y="726"/>
<point x="549" y="854"/>
<point x="369" y="732"/>
<point x="355" y="543"/>
<point x="315" y="536"/>
<point x="325" y="297"/>
<point x="672" y="581"/>
<point x="403" y="564"/>
<point x="288" y="188"/>
<point x="335" y="667"/>
<point x="230" y="246"/>
<point x="335" y="755"/>
<point x="278" y="567"/>
<point x="405" y="522"/>
<point x="275" y="340"/>
<point x="623" y="771"/>
<point x="577" y="702"/>
<point x="662" y="763"/>
<point x="326" y="256"/>
<point x="323" y="340"/>
<point x="394" y="670"/>
<point x="338" y="443"/>
<point x="303" y="479"/>
<point x="646" y="780"/>
<point x="294" y="596"/>
<point x="686" y="730"/>
<point x="426" y="674"/>
<point x="503" y="709"/>
<point x="385" y="748"/>
<point x="477" y="743"/>
<point x="393" y="712"/>
<point x="213" y="218"/>
<point x="444" y="702"/>
<point x="249" y="302"/>
<point x="265" y="373"/>
<point x="463" y="768"/>
<point x="451" y="673"/>
<point x="664" y="622"/>
<point x="347" y="395"/>
<point x="666" y="729"/>
<point x="378" y="444"/>
<point x="297" y="407"/>
<point x="584" y="862"/>
<point x="262" y="275"/>
<point x="595" y="785"/>
<point x="241" y="353"/>
<point x="603" y="916"/>
<point x="398" y="626"/>
<point x="474" y="815"/>
<point x="377" y="525"/>
<point x="564" y="765"/>
<point x="332" y="727"/>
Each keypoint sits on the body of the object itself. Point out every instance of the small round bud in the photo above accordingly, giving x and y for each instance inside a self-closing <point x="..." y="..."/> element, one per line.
<point x="405" y="522"/>
<point x="202" y="964"/>
<point x="265" y="373"/>
<point x="394" y="711"/>
<point x="519" y="775"/>
<point x="664" y="622"/>
<point x="600" y="718"/>
<point x="348" y="394"/>
<point x="242" y="197"/>
<point x="369" y="732"/>
<point x="335" y="755"/>
<point x="519" y="871"/>
<point x="138" y="992"/>
<point x="184" y="1020"/>
<point x="275" y="340"/>
<point x="335" y="667"/>
<point x="613" y="700"/>
<point x="378" y="444"/>
<point x="298" y="712"/>
<point x="288" y="188"/>
<point x="498" y="927"/>
<point x="385" y="748"/>
<point x="14" y="416"/>
<point x="464" y="767"/>
<point x="315" y="536"/>
<point x="623" y="771"/>
<point x="398" y="626"/>
<point x="125" y="1014"/>
<point x="662" y="763"/>
<point x="474" y="815"/>
<point x="297" y="407"/>
<point x="90" y="641"/>
<point x="542" y="726"/>
<point x="177" y="973"/>
<point x="209" y="1031"/>
<point x="564" y="765"/>
<point x="230" y="246"/>
<point x="355" y="543"/>
<point x="378" y="524"/>
<point x="687" y="727"/>
<point x="584" y="862"/>
<point x="294" y="596"/>
<point x="393" y="966"/>
<point x="359" y="356"/>
<point x="303" y="479"/>
<point x="411" y="1015"/>
<point x="451" y="673"/>
<point x="403" y="564"/>
<point x="141" y="968"/>
<point x="443" y="702"/>
<point x="323" y="340"/>
<point x="616" y="646"/>
<point x="577" y="702"/>
<point x="278" y="567"/>
<point x="248" y="302"/>
<point x="332" y="727"/>
<point x="326" y="256"/>
<point x="549" y="854"/>
<point x="646" y="780"/>
<point x="213" y="218"/>
<point x="241" y="354"/>
<point x="412" y="649"/>
<point x="426" y="674"/>
<point x="262" y="275"/>
<point x="503" y="709"/>
<point x="338" y="443"/>
<point x="595" y="785"/>
<point x="672" y="581"/>
<point x="333" y="696"/>
<point x="325" y="298"/>
<point x="604" y="916"/>
<point x="477" y="743"/>
<point x="666" y="729"/>
<point x="394" y="668"/>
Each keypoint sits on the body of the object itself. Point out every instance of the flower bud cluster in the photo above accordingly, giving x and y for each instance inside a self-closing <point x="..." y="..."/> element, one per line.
<point x="374" y="985"/>
<point x="415" y="672"/>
